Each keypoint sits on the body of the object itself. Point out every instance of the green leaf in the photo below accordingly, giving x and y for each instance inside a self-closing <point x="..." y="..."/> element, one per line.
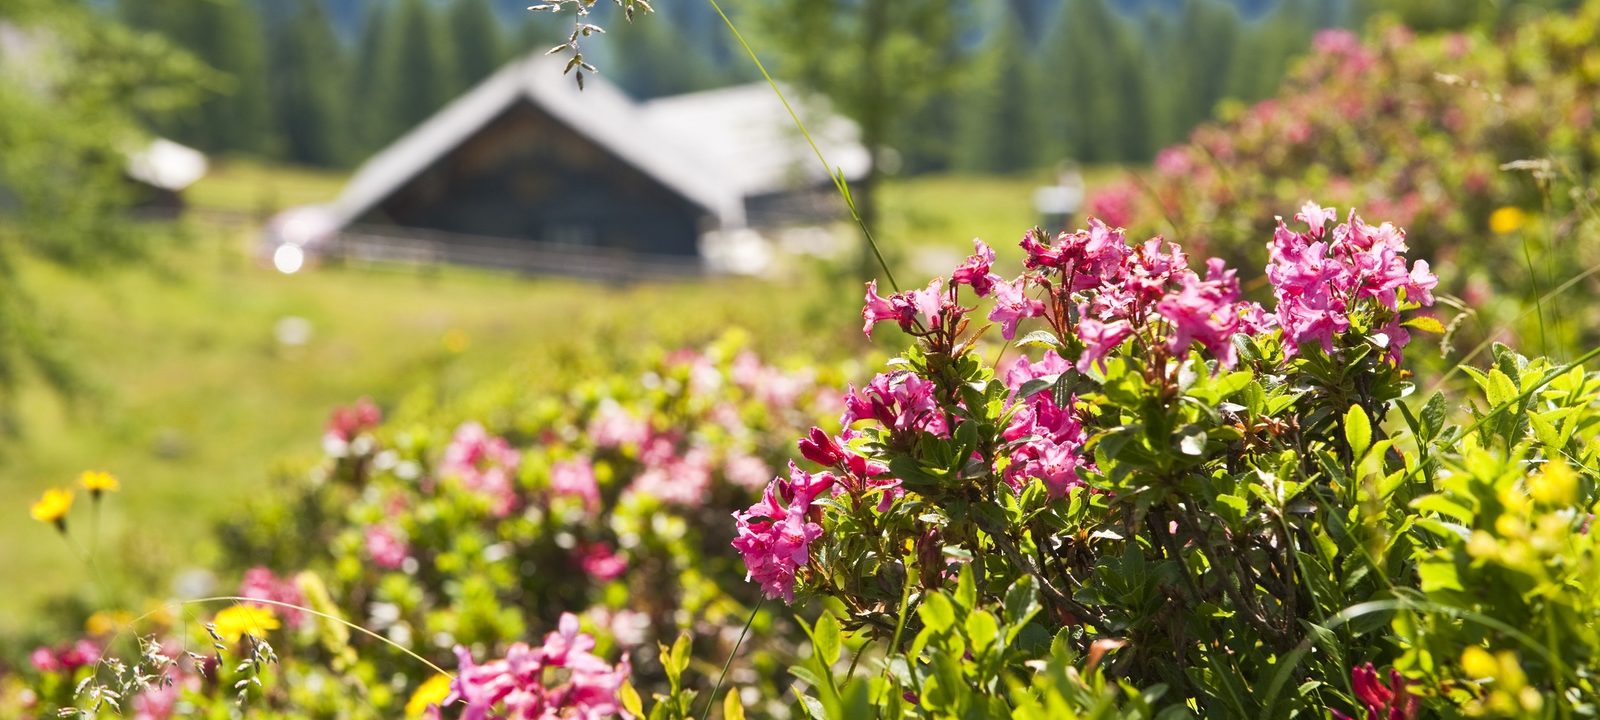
<point x="1036" y="386"/>
<point x="938" y="615"/>
<point x="1444" y="506"/>
<point x="1043" y="338"/>
<point x="1425" y="323"/>
<point x="630" y="699"/>
<point x="1438" y="575"/>
<point x="1022" y="600"/>
<point x="982" y="630"/>
<point x="966" y="588"/>
<point x="825" y="639"/>
<point x="1357" y="430"/>
<point x="1192" y="440"/>
<point x="1501" y="389"/>
<point x="732" y="709"/>
<point x="1433" y="416"/>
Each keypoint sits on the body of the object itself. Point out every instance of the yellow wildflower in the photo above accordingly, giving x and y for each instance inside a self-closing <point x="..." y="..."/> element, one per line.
<point x="97" y="482"/>
<point x="456" y="341"/>
<point x="107" y="622"/>
<point x="53" y="507"/>
<point x="235" y="622"/>
<point x="1478" y="663"/>
<point x="431" y="692"/>
<point x="1507" y="220"/>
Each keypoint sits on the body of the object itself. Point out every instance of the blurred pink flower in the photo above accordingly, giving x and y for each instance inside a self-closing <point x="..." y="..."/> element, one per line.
<point x="262" y="584"/>
<point x="385" y="547"/>
<point x="600" y="562"/>
<point x="575" y="478"/>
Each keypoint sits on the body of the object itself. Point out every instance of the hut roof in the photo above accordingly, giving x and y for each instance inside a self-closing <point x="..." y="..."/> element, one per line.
<point x="599" y="111"/>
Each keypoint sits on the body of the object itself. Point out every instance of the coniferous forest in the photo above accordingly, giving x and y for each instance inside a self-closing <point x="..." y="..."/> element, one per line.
<point x="328" y="82"/>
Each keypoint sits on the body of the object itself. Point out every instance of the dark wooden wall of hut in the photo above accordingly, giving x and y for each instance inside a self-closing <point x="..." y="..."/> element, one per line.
<point x="527" y="176"/>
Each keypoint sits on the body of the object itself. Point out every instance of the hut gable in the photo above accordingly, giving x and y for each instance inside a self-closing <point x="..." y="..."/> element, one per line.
<point x="528" y="155"/>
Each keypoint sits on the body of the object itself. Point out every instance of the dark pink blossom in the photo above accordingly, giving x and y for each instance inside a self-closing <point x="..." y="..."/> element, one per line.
<point x="1048" y="442"/>
<point x="523" y="685"/>
<point x="1011" y="306"/>
<point x="1321" y="276"/>
<point x="1382" y="702"/>
<point x="601" y="563"/>
<point x="1099" y="339"/>
<point x="44" y="660"/>
<point x="900" y="401"/>
<point x="1204" y="311"/>
<point x="975" y="271"/>
<point x="774" y="535"/>
<point x="821" y="448"/>
<point x="1025" y="369"/>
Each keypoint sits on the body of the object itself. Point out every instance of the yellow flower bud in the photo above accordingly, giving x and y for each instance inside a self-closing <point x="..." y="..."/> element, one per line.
<point x="1478" y="664"/>
<point x="52" y="507"/>
<point x="1556" y="484"/>
<point x="1507" y="220"/>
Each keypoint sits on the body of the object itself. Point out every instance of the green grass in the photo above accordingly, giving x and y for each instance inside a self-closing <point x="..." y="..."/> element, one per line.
<point x="195" y="405"/>
<point x="243" y="185"/>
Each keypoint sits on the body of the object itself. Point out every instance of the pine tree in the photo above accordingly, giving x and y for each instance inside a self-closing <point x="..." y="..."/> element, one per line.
<point x="479" y="43"/>
<point x="650" y="57"/>
<point x="423" y="68"/>
<point x="1207" y="37"/>
<point x="227" y="35"/>
<point x="998" y="120"/>
<point x="373" y="82"/>
<point x="306" y="87"/>
<point x="1090" y="84"/>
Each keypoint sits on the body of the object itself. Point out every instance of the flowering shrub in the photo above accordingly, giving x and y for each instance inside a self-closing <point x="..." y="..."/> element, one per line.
<point x="1486" y="148"/>
<point x="1142" y="495"/>
<point x="1181" y="501"/>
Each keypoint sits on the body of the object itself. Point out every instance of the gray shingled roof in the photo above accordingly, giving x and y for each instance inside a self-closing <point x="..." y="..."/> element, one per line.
<point x="747" y="137"/>
<point x="599" y="111"/>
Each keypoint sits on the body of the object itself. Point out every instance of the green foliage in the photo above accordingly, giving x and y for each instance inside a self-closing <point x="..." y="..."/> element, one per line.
<point x="71" y="93"/>
<point x="227" y="36"/>
<point x="307" y="88"/>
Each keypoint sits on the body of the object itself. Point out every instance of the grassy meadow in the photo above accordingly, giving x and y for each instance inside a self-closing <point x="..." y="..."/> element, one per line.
<point x="192" y="399"/>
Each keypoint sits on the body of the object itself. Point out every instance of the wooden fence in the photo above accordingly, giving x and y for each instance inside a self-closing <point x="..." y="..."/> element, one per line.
<point x="407" y="246"/>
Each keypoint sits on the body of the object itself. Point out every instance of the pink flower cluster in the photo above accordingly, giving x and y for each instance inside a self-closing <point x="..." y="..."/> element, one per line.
<point x="901" y="401"/>
<point x="613" y="427"/>
<point x="599" y="562"/>
<point x="1383" y="702"/>
<point x="933" y="308"/>
<point x="560" y="679"/>
<point x="775" y="534"/>
<point x="484" y="464"/>
<point x="386" y="547"/>
<point x="1105" y="291"/>
<point x="1047" y="438"/>
<point x="262" y="584"/>
<point x="1115" y="203"/>
<point x="1319" y="276"/>
<point x="347" y="422"/>
<point x="575" y="478"/>
<point x="671" y="477"/>
<point x="66" y="658"/>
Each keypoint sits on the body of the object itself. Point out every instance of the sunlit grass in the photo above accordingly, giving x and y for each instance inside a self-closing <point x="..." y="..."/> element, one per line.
<point x="195" y="404"/>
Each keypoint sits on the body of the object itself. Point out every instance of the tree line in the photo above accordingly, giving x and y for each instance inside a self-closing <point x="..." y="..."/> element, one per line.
<point x="1035" y="81"/>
